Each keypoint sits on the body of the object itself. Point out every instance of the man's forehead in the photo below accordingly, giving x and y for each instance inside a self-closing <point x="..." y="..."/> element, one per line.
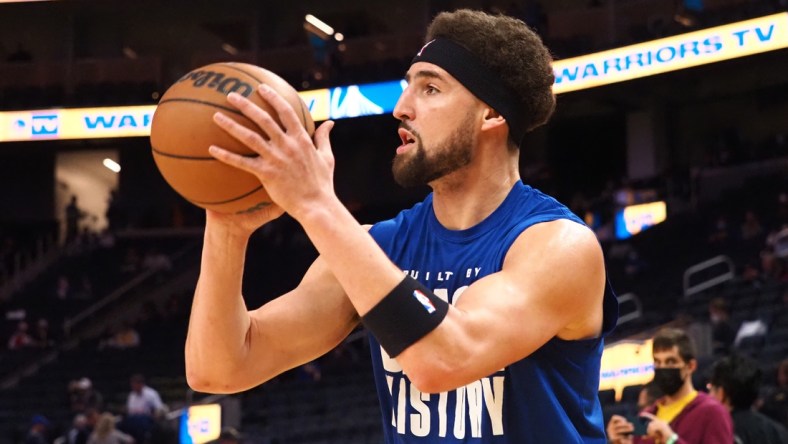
<point x="664" y="353"/>
<point x="428" y="70"/>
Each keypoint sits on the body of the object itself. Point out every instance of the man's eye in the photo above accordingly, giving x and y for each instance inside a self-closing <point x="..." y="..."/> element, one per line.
<point x="430" y="90"/>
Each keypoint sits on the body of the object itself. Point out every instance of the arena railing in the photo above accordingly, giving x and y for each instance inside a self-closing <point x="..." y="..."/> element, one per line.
<point x="704" y="268"/>
<point x="626" y="300"/>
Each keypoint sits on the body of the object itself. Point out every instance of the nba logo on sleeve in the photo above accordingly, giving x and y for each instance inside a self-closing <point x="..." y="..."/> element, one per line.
<point x="424" y="300"/>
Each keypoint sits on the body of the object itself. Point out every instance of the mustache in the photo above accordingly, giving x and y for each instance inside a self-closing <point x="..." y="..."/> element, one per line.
<point x="404" y="125"/>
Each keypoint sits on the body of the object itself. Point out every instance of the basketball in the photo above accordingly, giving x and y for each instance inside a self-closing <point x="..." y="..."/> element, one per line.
<point x="182" y="129"/>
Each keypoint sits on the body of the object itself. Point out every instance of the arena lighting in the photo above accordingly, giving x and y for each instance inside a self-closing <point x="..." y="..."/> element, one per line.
<point x="740" y="39"/>
<point x="130" y="53"/>
<point x="633" y="219"/>
<point x="319" y="24"/>
<point x="229" y="49"/>
<point x="111" y="165"/>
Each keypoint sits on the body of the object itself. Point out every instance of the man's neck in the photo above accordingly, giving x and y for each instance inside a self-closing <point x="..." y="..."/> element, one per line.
<point x="685" y="390"/>
<point x="467" y="196"/>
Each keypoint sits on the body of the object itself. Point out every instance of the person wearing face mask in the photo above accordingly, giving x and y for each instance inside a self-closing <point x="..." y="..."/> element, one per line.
<point x="683" y="415"/>
<point x="722" y="330"/>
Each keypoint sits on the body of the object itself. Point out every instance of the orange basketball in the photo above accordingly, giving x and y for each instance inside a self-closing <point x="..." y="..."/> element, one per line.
<point x="182" y="129"/>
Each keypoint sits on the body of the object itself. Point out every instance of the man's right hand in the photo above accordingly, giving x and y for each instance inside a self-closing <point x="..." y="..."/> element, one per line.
<point x="619" y="430"/>
<point x="244" y="224"/>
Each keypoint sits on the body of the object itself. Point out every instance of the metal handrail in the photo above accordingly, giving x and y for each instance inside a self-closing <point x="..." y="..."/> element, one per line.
<point x="633" y="315"/>
<point x="69" y="323"/>
<point x="711" y="282"/>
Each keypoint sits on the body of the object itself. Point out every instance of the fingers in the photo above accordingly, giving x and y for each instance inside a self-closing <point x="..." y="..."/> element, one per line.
<point x="286" y="113"/>
<point x="248" y="137"/>
<point x="322" y="142"/>
<point x="647" y="415"/>
<point x="322" y="132"/>
<point x="235" y="160"/>
<point x="256" y="114"/>
<point x="617" y="418"/>
<point x="619" y="429"/>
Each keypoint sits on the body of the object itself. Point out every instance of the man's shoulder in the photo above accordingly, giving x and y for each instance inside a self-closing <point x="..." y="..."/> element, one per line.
<point x="706" y="403"/>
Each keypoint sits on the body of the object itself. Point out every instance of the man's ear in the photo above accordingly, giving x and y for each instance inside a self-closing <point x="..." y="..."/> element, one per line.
<point x="692" y="365"/>
<point x="492" y="119"/>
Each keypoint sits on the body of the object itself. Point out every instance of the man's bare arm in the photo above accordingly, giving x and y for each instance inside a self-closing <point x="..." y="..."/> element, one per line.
<point x="229" y="349"/>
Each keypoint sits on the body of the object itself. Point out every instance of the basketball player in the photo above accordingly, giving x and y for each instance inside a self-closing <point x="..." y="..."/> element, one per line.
<point x="486" y="303"/>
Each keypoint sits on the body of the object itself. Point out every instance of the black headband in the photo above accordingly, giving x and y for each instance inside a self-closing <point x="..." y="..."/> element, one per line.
<point x="464" y="66"/>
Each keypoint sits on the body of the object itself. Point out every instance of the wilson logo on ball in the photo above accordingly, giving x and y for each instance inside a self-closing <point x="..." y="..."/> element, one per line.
<point x="218" y="81"/>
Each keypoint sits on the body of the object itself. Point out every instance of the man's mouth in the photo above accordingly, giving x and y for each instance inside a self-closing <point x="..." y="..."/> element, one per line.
<point x="407" y="140"/>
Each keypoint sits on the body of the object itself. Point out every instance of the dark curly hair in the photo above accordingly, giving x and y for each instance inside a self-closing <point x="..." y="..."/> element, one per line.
<point x="740" y="376"/>
<point x="509" y="48"/>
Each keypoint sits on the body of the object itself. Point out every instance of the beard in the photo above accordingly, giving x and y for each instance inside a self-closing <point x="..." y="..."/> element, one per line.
<point x="419" y="168"/>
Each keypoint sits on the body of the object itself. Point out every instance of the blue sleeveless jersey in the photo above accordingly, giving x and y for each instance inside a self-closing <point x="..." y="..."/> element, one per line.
<point x="547" y="397"/>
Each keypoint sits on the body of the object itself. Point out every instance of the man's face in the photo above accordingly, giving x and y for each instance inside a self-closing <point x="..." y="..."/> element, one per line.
<point x="437" y="126"/>
<point x="668" y="358"/>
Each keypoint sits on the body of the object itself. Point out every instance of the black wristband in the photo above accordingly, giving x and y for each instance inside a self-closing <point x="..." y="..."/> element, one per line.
<point x="404" y="316"/>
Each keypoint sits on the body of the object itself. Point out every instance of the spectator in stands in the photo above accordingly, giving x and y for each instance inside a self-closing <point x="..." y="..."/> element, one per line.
<point x="21" y="338"/>
<point x="62" y="288"/>
<point x="125" y="337"/>
<point x="39" y="427"/>
<point x="782" y="198"/>
<point x="735" y="381"/>
<point x="143" y="408"/>
<point x="722" y="330"/>
<point x="774" y="258"/>
<point x="773" y="268"/>
<point x="83" y="396"/>
<point x="751" y="227"/>
<point x="775" y="403"/>
<point x="92" y="416"/>
<point x="155" y="260"/>
<point x="720" y="232"/>
<point x="73" y="215"/>
<point x="683" y="415"/>
<point x="131" y="262"/>
<point x="106" y="433"/>
<point x="79" y="431"/>
<point x="41" y="335"/>
<point x="116" y="214"/>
